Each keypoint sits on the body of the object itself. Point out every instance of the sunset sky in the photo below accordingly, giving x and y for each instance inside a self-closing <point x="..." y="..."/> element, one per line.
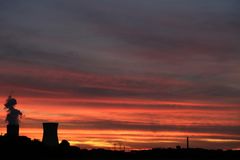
<point x="139" y="73"/>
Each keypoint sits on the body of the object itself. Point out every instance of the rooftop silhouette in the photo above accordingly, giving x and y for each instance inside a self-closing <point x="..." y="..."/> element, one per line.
<point x="24" y="148"/>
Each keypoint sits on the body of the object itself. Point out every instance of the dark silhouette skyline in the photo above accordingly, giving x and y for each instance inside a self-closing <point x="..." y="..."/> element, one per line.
<point x="14" y="146"/>
<point x="24" y="148"/>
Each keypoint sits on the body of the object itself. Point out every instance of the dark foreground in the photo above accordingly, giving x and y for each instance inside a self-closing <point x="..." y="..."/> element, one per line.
<point x="24" y="148"/>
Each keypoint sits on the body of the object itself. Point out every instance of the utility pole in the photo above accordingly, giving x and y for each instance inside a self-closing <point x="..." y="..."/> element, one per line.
<point x="187" y="142"/>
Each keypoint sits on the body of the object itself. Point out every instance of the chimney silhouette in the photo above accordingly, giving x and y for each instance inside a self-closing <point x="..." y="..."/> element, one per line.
<point x="50" y="135"/>
<point x="12" y="130"/>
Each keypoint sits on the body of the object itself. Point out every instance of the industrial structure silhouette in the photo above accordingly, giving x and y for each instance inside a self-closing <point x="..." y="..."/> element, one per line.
<point x="14" y="146"/>
<point x="12" y="117"/>
<point x="50" y="134"/>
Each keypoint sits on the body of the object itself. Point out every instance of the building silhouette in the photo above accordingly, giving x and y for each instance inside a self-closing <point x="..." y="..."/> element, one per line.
<point x="12" y="130"/>
<point x="12" y="117"/>
<point x="50" y="134"/>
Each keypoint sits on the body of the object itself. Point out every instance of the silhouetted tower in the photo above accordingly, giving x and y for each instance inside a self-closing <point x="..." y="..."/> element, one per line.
<point x="12" y="117"/>
<point x="187" y="142"/>
<point x="12" y="130"/>
<point x="50" y="135"/>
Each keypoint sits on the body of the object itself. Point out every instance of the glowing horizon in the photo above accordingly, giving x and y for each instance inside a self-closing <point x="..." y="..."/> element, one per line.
<point x="91" y="125"/>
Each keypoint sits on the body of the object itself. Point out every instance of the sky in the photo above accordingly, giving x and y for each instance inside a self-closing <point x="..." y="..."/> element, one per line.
<point x="134" y="73"/>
